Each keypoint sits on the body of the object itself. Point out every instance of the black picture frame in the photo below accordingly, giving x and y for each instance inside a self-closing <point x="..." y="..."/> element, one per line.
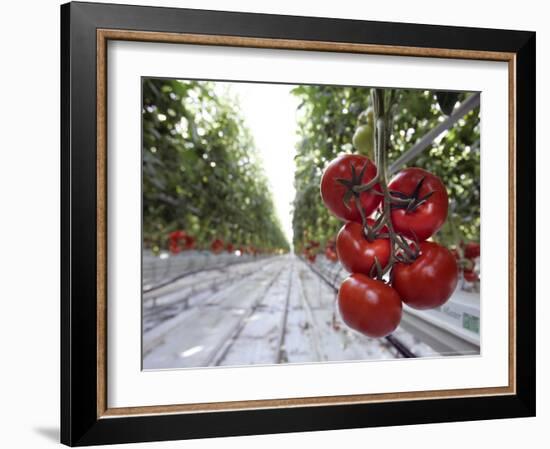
<point x="81" y="424"/>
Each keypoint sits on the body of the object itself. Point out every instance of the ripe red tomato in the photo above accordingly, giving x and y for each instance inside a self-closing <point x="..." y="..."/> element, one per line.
<point x="311" y="258"/>
<point x="430" y="196"/>
<point x="471" y="250"/>
<point x="174" y="248"/>
<point x="175" y="241"/>
<point x="217" y="246"/>
<point x="330" y="254"/>
<point x="430" y="280"/>
<point x="333" y="191"/>
<point x="312" y="244"/>
<point x="470" y="276"/>
<point x="189" y="242"/>
<point x="229" y="248"/>
<point x="177" y="235"/>
<point x="369" y="306"/>
<point x="356" y="253"/>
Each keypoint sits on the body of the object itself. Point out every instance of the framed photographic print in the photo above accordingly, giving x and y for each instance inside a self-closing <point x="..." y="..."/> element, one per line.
<point x="277" y="224"/>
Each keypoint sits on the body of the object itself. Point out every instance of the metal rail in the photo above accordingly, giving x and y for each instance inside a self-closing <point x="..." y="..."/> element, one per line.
<point x="190" y="273"/>
<point x="154" y="313"/>
<point x="194" y="291"/>
<point x="466" y="106"/>
<point x="315" y="339"/>
<point x="281" y="353"/>
<point x="219" y="354"/>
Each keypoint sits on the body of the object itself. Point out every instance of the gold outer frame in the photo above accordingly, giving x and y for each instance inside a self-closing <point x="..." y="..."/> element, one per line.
<point x="104" y="35"/>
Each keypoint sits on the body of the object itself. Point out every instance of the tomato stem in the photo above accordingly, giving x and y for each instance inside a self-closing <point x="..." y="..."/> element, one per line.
<point x="400" y="250"/>
<point x="381" y="133"/>
<point x="361" y="210"/>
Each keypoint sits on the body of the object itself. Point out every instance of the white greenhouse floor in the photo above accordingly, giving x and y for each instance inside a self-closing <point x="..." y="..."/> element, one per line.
<point x="243" y="311"/>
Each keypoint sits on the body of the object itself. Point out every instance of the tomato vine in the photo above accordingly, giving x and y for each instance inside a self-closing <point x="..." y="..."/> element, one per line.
<point x="384" y="247"/>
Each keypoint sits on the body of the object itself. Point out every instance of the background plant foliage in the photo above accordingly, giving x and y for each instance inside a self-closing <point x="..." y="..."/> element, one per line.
<point x="330" y="116"/>
<point x="201" y="171"/>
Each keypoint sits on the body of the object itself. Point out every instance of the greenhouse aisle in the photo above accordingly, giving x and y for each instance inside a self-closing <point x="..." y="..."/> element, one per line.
<point x="267" y="311"/>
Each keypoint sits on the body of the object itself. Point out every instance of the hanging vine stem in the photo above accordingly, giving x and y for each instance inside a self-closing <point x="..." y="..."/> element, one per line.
<point x="401" y="250"/>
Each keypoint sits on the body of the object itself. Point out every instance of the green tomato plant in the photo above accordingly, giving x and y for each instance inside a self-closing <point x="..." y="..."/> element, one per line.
<point x="201" y="170"/>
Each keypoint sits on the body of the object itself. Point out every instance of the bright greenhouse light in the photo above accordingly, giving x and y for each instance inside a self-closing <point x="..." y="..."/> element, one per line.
<point x="269" y="111"/>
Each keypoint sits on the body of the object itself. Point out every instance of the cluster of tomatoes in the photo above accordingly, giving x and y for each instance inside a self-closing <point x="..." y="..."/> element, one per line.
<point x="466" y="257"/>
<point x="330" y="251"/>
<point x="217" y="246"/>
<point x="385" y="232"/>
<point x="310" y="250"/>
<point x="180" y="240"/>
